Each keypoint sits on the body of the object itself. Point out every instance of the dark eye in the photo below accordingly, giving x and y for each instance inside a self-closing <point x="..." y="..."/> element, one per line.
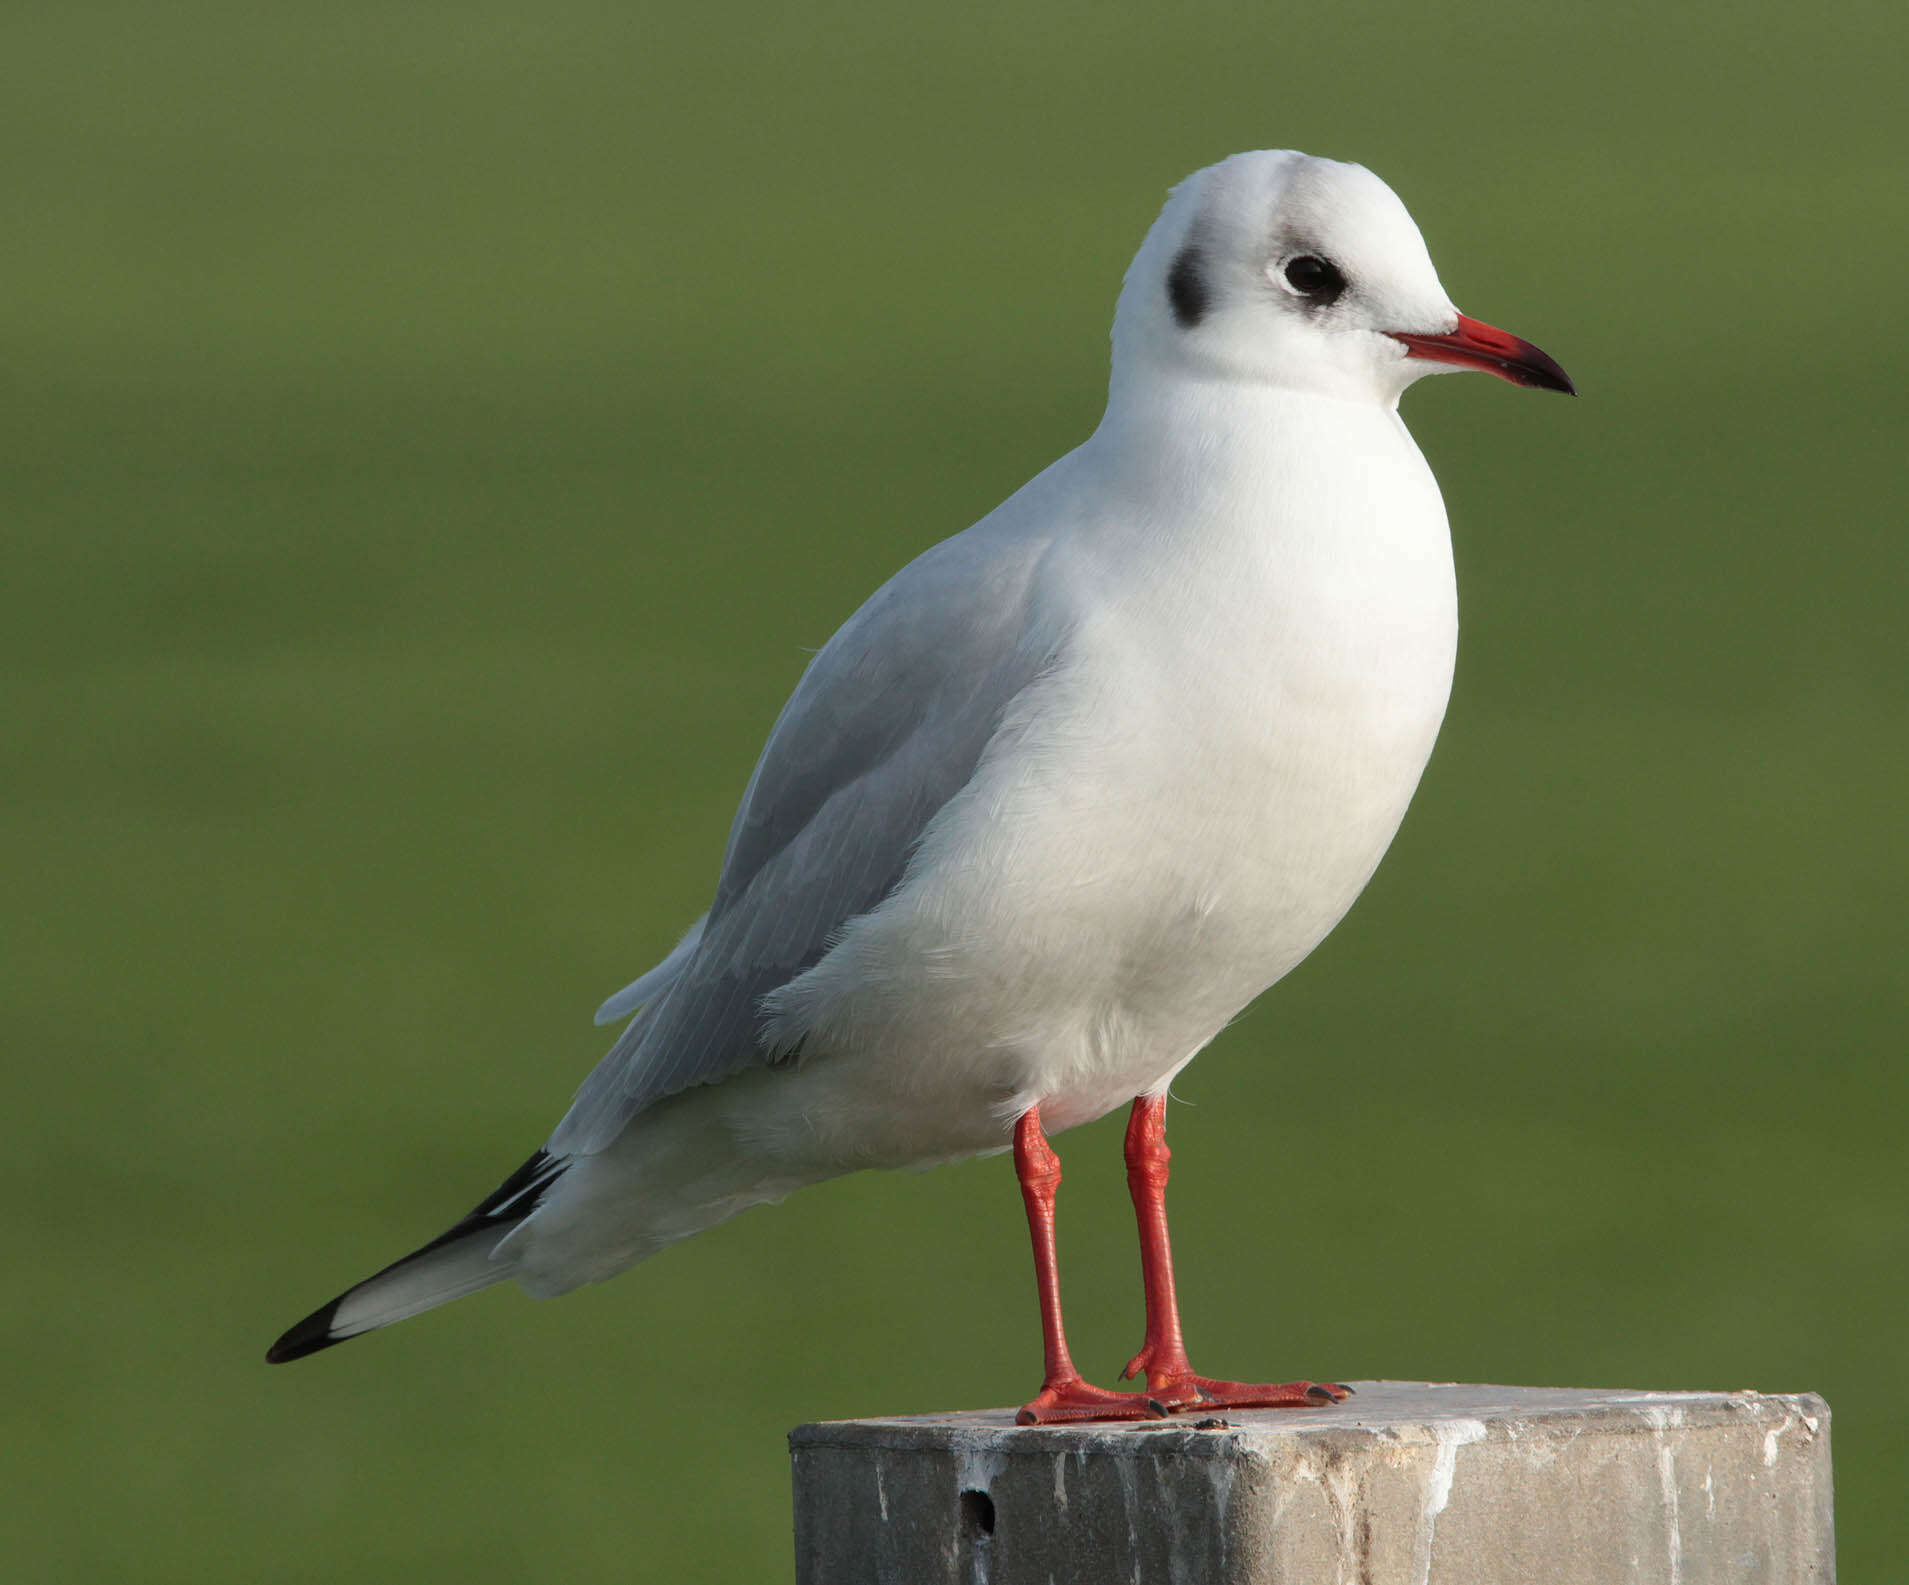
<point x="1315" y="278"/>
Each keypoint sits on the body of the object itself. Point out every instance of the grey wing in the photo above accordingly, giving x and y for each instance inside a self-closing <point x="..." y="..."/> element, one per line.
<point x="652" y="984"/>
<point x="888" y="723"/>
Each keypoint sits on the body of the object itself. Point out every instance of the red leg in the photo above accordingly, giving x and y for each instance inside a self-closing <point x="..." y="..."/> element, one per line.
<point x="1162" y="1356"/>
<point x="1063" y="1395"/>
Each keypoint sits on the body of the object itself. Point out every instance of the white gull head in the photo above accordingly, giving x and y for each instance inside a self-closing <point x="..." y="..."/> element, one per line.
<point x="1280" y="269"/>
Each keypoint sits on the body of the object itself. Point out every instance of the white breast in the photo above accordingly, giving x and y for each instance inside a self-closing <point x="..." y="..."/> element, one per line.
<point x="1251" y="682"/>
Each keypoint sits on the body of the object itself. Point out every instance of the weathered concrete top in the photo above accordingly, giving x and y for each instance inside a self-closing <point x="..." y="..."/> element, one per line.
<point x="1411" y="1481"/>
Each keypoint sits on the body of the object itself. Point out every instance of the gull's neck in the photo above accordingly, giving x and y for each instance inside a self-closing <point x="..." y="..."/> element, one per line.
<point x="1191" y="436"/>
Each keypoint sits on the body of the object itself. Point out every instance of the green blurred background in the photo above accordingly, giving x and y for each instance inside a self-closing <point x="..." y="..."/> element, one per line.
<point x="434" y="437"/>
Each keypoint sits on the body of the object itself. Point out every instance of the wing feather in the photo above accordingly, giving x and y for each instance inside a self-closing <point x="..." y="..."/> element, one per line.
<point x="887" y="724"/>
<point x="645" y="987"/>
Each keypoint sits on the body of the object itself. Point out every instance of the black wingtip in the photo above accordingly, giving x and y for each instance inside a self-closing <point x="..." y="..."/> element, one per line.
<point x="308" y="1337"/>
<point x="513" y="1200"/>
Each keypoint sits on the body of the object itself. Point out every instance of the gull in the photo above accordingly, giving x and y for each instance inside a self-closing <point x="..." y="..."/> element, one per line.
<point x="1064" y="796"/>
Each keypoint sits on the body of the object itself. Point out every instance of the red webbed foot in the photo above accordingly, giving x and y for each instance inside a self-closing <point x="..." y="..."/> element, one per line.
<point x="1177" y="1394"/>
<point x="1173" y="1385"/>
<point x="1075" y="1399"/>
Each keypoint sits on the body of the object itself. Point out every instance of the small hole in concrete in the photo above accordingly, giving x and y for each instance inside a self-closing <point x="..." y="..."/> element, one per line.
<point x="977" y="1510"/>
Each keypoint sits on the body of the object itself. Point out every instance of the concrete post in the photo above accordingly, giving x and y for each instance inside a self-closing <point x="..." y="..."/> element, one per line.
<point x="1407" y="1483"/>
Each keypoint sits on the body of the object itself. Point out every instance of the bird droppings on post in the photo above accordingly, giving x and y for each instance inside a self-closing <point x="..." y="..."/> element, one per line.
<point x="1664" y="1418"/>
<point x="1450" y="1436"/>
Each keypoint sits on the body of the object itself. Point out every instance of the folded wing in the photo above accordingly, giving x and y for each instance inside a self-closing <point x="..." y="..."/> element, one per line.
<point x="887" y="724"/>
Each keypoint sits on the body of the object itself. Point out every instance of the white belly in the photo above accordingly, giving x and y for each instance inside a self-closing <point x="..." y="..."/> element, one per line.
<point x="1169" y="822"/>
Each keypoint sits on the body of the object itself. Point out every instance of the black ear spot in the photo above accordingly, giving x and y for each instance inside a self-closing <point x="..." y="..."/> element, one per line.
<point x="1186" y="287"/>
